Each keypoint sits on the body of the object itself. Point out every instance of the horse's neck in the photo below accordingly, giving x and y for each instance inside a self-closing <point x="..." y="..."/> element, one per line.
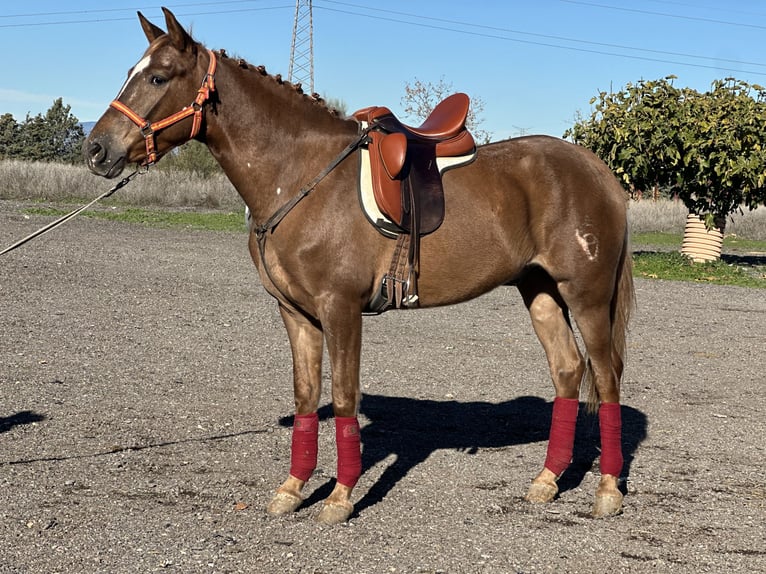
<point x="269" y="139"/>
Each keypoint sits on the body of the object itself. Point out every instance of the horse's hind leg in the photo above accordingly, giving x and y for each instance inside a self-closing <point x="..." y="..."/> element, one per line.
<point x="550" y="320"/>
<point x="595" y="325"/>
<point x="306" y="343"/>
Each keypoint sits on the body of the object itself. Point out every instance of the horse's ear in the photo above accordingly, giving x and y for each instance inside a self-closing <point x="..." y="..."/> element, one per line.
<point x="179" y="37"/>
<point x="152" y="32"/>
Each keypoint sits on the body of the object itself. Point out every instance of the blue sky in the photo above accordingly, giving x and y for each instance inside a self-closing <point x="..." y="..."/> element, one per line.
<point x="534" y="64"/>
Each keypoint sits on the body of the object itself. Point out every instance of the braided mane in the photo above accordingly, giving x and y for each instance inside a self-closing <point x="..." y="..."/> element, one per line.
<point x="296" y="87"/>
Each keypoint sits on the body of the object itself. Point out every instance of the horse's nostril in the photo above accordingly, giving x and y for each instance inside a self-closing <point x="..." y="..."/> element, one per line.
<point x="96" y="152"/>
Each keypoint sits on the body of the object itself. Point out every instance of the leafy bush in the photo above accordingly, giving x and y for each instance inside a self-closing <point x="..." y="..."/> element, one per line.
<point x="708" y="148"/>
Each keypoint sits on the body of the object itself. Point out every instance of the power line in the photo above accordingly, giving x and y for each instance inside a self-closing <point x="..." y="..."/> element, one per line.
<point x="665" y="14"/>
<point x="492" y="32"/>
<point x="719" y="8"/>
<point x="552" y="37"/>
<point x="126" y="18"/>
<point x="103" y="10"/>
<point x="500" y="31"/>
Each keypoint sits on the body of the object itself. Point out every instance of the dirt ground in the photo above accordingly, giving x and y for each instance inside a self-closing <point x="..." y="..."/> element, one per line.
<point x="145" y="402"/>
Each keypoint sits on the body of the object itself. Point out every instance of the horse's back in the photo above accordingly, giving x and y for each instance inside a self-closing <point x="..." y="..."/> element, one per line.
<point x="546" y="173"/>
<point x="535" y="200"/>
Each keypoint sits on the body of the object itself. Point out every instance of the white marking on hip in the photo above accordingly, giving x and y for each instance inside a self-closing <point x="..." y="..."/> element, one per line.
<point x="589" y="244"/>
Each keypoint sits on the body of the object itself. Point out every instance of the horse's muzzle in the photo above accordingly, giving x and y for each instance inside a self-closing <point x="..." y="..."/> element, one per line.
<point x="102" y="159"/>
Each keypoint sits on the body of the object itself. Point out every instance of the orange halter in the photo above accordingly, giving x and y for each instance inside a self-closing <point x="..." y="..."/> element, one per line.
<point x="148" y="130"/>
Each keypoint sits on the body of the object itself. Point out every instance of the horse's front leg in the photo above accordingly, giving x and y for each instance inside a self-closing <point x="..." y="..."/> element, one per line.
<point x="343" y="333"/>
<point x="306" y="344"/>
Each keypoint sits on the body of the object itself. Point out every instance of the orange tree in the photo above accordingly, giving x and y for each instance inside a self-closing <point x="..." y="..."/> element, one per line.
<point x="708" y="148"/>
<point x="724" y="142"/>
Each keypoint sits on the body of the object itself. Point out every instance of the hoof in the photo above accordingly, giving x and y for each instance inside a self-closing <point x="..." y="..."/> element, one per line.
<point x="335" y="513"/>
<point x="607" y="505"/>
<point x="283" y="503"/>
<point x="541" y="492"/>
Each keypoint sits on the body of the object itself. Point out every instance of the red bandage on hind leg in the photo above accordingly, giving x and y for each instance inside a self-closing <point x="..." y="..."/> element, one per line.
<point x="349" y="447"/>
<point x="304" y="447"/>
<point x="610" y="422"/>
<point x="561" y="441"/>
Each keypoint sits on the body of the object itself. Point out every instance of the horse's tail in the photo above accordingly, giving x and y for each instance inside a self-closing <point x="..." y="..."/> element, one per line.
<point x="623" y="303"/>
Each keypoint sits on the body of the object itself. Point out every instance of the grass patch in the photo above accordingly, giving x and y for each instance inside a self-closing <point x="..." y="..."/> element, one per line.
<point x="659" y="239"/>
<point x="676" y="267"/>
<point x="208" y="221"/>
<point x="674" y="240"/>
<point x="739" y="244"/>
<point x="659" y="260"/>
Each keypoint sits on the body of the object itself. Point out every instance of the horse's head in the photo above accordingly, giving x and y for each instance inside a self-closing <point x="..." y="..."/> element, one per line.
<point x="152" y="113"/>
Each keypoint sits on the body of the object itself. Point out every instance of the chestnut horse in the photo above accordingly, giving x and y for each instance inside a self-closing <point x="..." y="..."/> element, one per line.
<point x="536" y="212"/>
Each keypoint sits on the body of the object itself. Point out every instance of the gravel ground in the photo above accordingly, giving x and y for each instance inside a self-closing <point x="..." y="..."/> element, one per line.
<point x="145" y="397"/>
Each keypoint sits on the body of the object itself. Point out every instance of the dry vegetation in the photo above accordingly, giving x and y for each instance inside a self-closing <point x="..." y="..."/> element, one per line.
<point x="21" y="180"/>
<point x="664" y="216"/>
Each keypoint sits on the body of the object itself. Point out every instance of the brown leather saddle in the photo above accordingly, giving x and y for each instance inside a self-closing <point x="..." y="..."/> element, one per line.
<point x="406" y="166"/>
<point x="406" y="177"/>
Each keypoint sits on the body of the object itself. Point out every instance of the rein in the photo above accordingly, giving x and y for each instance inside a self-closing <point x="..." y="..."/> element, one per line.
<point x="149" y="129"/>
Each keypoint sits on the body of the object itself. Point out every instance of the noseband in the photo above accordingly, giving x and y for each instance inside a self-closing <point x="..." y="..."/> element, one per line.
<point x="149" y="129"/>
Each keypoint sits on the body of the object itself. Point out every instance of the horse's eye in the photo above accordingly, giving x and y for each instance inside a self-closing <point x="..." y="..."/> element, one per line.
<point x="157" y="80"/>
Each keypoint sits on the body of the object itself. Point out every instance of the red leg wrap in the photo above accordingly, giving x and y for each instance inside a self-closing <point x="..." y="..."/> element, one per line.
<point x="349" y="450"/>
<point x="561" y="441"/>
<point x="610" y="422"/>
<point x="304" y="449"/>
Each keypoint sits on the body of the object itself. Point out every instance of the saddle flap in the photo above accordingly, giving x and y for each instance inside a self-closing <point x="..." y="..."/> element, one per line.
<point x="393" y="151"/>
<point x="387" y="189"/>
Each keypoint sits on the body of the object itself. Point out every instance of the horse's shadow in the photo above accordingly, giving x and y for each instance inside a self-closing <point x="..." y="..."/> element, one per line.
<point x="413" y="429"/>
<point x="19" y="419"/>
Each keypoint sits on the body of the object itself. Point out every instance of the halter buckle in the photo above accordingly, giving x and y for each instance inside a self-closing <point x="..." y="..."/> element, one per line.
<point x="146" y="130"/>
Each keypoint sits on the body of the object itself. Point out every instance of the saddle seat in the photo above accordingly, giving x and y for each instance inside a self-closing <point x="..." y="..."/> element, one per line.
<point x="405" y="161"/>
<point x="445" y="121"/>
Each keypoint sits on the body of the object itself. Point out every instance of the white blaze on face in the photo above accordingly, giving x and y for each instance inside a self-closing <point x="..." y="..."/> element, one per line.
<point x="137" y="69"/>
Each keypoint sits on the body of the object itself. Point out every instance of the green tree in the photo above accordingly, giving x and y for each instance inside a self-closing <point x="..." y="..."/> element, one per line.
<point x="724" y="143"/>
<point x="9" y="136"/>
<point x="636" y="132"/>
<point x="55" y="136"/>
<point x="193" y="157"/>
<point x="709" y="148"/>
<point x="420" y="98"/>
<point x="336" y="104"/>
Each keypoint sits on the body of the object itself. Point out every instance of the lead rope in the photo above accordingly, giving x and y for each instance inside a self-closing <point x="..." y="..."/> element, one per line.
<point x="70" y="215"/>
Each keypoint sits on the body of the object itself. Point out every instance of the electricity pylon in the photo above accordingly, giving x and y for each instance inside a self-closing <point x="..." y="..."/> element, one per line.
<point x="301" y="69"/>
